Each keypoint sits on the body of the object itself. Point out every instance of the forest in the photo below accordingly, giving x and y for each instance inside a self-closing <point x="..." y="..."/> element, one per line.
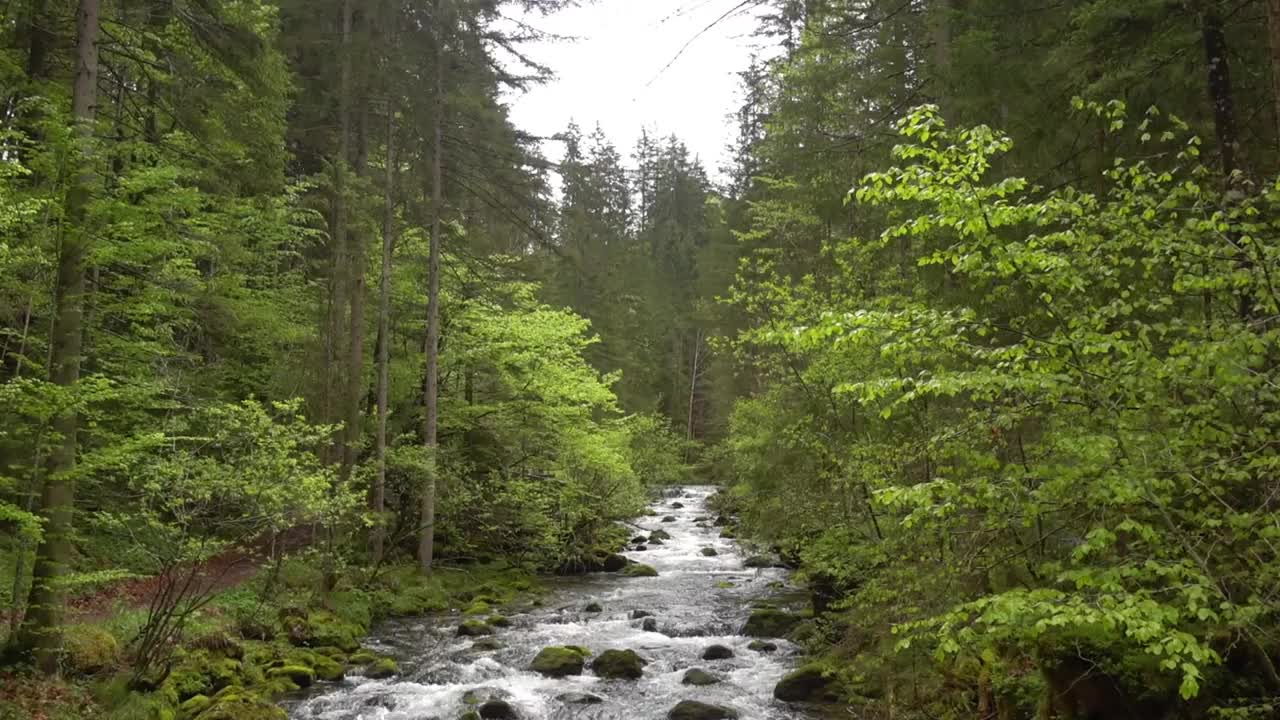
<point x="959" y="385"/>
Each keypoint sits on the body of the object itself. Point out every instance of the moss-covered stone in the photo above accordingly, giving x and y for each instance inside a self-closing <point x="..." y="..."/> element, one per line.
<point x="619" y="664"/>
<point x="479" y="607"/>
<point x="327" y="629"/>
<point x="474" y="628"/>
<point x="558" y="662"/>
<point x="584" y="652"/>
<point x="613" y="562"/>
<point x="699" y="678"/>
<point x="770" y="622"/>
<point x="640" y="570"/>
<point x="194" y="706"/>
<point x="363" y="657"/>
<point x="243" y="707"/>
<point x="300" y="675"/>
<point x="762" y="646"/>
<point x="486" y="644"/>
<point x="593" y="607"/>
<point x="717" y="652"/>
<point x="499" y="621"/>
<point x="327" y="668"/>
<point x="694" y="710"/>
<point x="89" y="649"/>
<point x="382" y="668"/>
<point x="809" y="683"/>
<point x="709" y="552"/>
<point x="659" y="534"/>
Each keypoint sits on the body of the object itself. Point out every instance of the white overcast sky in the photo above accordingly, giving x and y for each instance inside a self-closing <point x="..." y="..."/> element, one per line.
<point x="613" y="75"/>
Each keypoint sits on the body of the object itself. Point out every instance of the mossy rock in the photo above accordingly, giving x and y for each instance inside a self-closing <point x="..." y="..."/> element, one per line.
<point x="699" y="678"/>
<point x="640" y="570"/>
<point x="709" y="552"/>
<point x="759" y="561"/>
<point x="486" y="644"/>
<point x="364" y="657"/>
<point x="762" y="646"/>
<point x="474" y="628"/>
<point x="470" y="715"/>
<point x="200" y="674"/>
<point x="243" y="707"/>
<point x="770" y="622"/>
<point x="728" y="534"/>
<point x="656" y="542"/>
<point x="694" y="710"/>
<point x="194" y="706"/>
<point x="809" y="683"/>
<point x="614" y="562"/>
<point x="499" y="621"/>
<point x="584" y="652"/>
<point x="558" y="662"/>
<point x="593" y="607"/>
<point x="327" y="668"/>
<point x="323" y="629"/>
<point x="479" y="607"/>
<point x="382" y="668"/>
<point x="717" y="652"/>
<point x="619" y="664"/>
<point x="89" y="649"/>
<point x="659" y="534"/>
<point x="299" y="675"/>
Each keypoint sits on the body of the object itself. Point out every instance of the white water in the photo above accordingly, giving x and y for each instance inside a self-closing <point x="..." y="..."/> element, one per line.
<point x="692" y="609"/>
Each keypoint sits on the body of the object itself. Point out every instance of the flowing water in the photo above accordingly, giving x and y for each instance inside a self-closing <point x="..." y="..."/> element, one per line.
<point x="697" y="601"/>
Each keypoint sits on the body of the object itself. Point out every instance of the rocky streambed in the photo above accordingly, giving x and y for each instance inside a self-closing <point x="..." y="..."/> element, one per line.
<point x="692" y="640"/>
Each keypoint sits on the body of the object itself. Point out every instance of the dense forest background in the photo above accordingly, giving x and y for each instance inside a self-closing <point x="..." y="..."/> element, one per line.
<point x="979" y="330"/>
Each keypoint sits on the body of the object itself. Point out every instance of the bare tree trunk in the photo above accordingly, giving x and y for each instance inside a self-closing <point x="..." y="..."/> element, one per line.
<point x="1220" y="91"/>
<point x="693" y="381"/>
<point x="377" y="495"/>
<point x="431" y="395"/>
<point x="355" y="386"/>
<point x="41" y="633"/>
<point x="1273" y="37"/>
<point x="334" y="366"/>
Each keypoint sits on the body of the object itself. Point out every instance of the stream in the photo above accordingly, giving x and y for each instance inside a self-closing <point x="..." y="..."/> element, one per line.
<point x="696" y="600"/>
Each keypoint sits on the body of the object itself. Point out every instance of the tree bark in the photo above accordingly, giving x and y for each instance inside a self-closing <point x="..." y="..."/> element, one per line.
<point x="41" y="632"/>
<point x="431" y="394"/>
<point x="377" y="495"/>
<point x="1220" y="91"/>
<point x="334" y="356"/>
<point x="356" y="278"/>
<point x="1273" y="37"/>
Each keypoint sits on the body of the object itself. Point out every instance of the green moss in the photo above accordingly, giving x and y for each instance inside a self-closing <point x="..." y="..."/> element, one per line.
<point x="640" y="570"/>
<point x="327" y="629"/>
<point x="300" y="675"/>
<point x="474" y="628"/>
<point x="382" y="668"/>
<point x="327" y="668"/>
<point x="479" y="607"/>
<point x="500" y="621"/>
<point x="363" y="657"/>
<point x="243" y="707"/>
<point x="584" y="652"/>
<point x="194" y="706"/>
<point x="615" y="664"/>
<point x="557" y="662"/>
<point x="769" y="622"/>
<point x="89" y="649"/>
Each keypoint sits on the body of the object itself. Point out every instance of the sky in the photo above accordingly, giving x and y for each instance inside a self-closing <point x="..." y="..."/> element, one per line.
<point x="613" y="73"/>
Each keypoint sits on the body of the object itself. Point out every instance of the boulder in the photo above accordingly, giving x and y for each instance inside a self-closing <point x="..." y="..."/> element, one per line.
<point x="640" y="614"/>
<point x="694" y="710"/>
<point x="669" y="519"/>
<point x="298" y="674"/>
<point x="382" y="668"/>
<point x="639" y="540"/>
<point x="580" y="698"/>
<point x="619" y="664"/>
<point x="709" y="552"/>
<point x="640" y="570"/>
<point x="237" y="706"/>
<point x="495" y="709"/>
<point x="593" y="607"/>
<point x="677" y="506"/>
<point x="699" y="677"/>
<point x="486" y="644"/>
<point x="659" y="534"/>
<point x="649" y="625"/>
<point x="717" y="652"/>
<point x="557" y="662"/>
<point x="769" y="622"/>
<point x="721" y="521"/>
<point x="762" y="646"/>
<point x="614" y="562"/>
<point x="656" y="541"/>
<point x="809" y="683"/>
<point x="759" y="561"/>
<point x="639" y="548"/>
<point x="474" y="628"/>
<point x="90" y="649"/>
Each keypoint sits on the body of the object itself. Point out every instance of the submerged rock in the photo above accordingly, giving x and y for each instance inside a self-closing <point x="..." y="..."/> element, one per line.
<point x="694" y="710"/>
<point x="699" y="678"/>
<point x="382" y="668"/>
<point x="768" y="622"/>
<point x="807" y="684"/>
<point x="639" y="540"/>
<point x="677" y="506"/>
<point x="619" y="664"/>
<point x="709" y="552"/>
<point x="486" y="644"/>
<point x="659" y="534"/>
<point x="669" y="519"/>
<point x="558" y="662"/>
<point x="717" y="652"/>
<point x="580" y="698"/>
<point x="593" y="607"/>
<point x="640" y="614"/>
<point x="649" y="625"/>
<point x="495" y="709"/>
<point x="656" y="541"/>
<point x="640" y="570"/>
<point x="762" y="646"/>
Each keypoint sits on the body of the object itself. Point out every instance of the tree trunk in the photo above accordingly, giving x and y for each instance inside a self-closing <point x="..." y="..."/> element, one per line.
<point x="1273" y="37"/>
<point x="430" y="400"/>
<point x="39" y="40"/>
<point x="41" y="633"/>
<point x="1220" y="92"/>
<point x="377" y="495"/>
<point x="338" y="229"/>
<point x="355" y="270"/>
